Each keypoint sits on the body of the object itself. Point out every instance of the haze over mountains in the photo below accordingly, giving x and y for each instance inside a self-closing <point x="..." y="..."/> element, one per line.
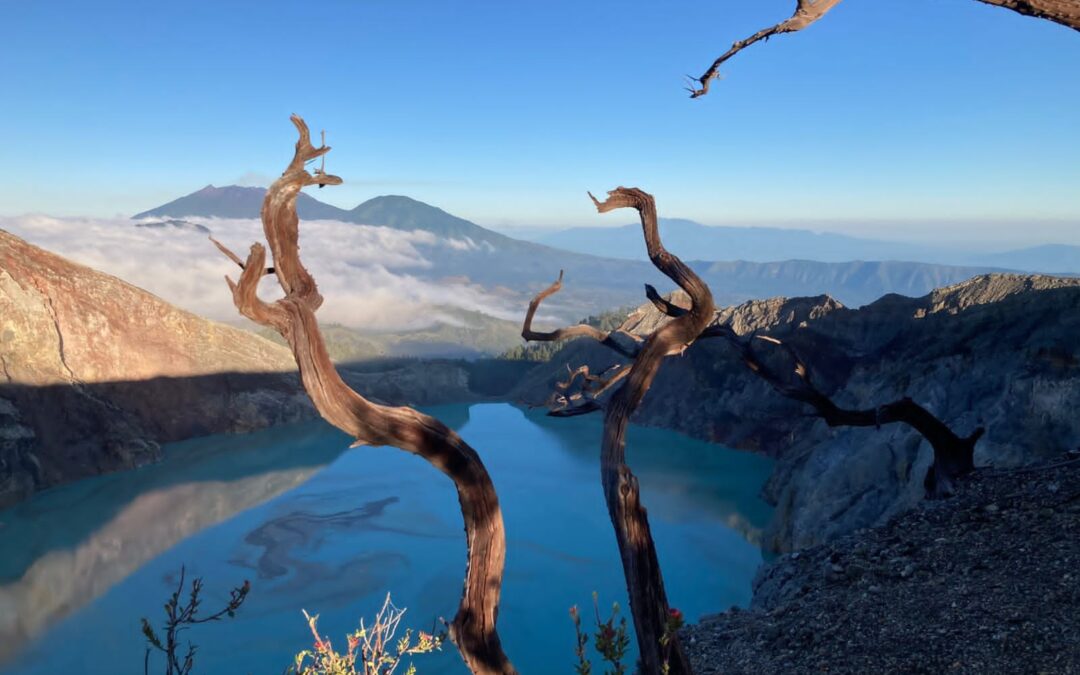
<point x="606" y="267"/>
<point x="768" y="244"/>
<point x="423" y="280"/>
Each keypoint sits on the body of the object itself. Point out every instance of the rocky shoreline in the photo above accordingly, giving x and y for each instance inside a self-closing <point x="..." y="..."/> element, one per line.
<point x="987" y="581"/>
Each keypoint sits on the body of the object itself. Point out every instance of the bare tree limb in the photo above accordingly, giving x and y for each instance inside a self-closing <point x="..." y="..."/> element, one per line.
<point x="235" y="258"/>
<point x="473" y="628"/>
<point x="806" y="13"/>
<point x="953" y="455"/>
<point x="1064" y="12"/>
<point x="570" y="332"/>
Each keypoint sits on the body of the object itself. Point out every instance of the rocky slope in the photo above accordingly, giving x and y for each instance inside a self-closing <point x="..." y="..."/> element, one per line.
<point x="998" y="351"/>
<point x="95" y="373"/>
<point x="984" y="582"/>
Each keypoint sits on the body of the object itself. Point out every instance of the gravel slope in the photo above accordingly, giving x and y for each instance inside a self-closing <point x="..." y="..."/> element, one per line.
<point x="985" y="582"/>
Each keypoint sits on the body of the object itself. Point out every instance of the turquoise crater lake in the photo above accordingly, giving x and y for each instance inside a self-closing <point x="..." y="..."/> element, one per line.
<point x="315" y="526"/>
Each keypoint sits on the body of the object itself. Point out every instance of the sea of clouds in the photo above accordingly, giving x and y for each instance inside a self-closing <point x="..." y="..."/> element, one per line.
<point x="369" y="276"/>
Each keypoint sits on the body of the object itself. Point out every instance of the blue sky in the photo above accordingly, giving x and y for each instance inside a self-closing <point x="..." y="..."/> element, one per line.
<point x="925" y="119"/>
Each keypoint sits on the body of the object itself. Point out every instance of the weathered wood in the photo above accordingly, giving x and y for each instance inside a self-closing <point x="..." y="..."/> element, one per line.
<point x="645" y="584"/>
<point x="1064" y="12"/>
<point x="570" y="332"/>
<point x="473" y="628"/>
<point x="644" y="581"/>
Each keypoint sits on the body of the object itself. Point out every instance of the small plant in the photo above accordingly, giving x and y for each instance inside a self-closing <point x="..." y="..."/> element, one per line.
<point x="179" y="618"/>
<point x="611" y="640"/>
<point x="371" y="651"/>
<point x="671" y="627"/>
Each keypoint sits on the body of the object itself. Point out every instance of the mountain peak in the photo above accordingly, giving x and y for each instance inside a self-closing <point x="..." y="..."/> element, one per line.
<point x="237" y="201"/>
<point x="405" y="213"/>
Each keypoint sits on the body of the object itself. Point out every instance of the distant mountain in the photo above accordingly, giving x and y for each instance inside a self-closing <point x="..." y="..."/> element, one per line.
<point x="394" y="211"/>
<point x="405" y="213"/>
<point x="234" y="201"/>
<point x="173" y="222"/>
<point x="1053" y="258"/>
<point x="754" y="244"/>
<point x="610" y="271"/>
<point x="853" y="283"/>
<point x="768" y="244"/>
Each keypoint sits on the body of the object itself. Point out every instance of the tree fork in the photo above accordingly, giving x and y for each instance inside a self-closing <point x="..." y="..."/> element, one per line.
<point x="644" y="580"/>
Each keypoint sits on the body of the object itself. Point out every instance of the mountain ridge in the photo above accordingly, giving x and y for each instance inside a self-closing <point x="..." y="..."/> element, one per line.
<point x="997" y="351"/>
<point x="593" y="283"/>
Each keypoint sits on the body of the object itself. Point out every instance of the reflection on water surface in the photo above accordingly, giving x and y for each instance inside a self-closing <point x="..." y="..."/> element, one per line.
<point x="81" y="564"/>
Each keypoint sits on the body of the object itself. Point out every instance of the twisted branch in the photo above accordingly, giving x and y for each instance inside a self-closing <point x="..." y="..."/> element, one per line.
<point x="953" y="455"/>
<point x="473" y="627"/>
<point x="1064" y="12"/>
<point x="806" y="13"/>
<point x="608" y="339"/>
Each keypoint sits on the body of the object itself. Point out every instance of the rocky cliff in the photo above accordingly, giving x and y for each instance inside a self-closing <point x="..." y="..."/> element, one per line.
<point x="95" y="373"/>
<point x="999" y="351"/>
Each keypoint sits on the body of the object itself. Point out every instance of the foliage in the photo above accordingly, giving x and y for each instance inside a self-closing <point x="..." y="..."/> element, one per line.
<point x="371" y="650"/>
<point x="179" y="618"/>
<point x="611" y="640"/>
<point x="671" y="628"/>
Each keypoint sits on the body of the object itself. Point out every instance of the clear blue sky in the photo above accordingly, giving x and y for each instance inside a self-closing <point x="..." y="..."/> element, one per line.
<point x="914" y="111"/>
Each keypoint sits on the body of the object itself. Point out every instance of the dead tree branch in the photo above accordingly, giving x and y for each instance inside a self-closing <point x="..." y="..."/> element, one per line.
<point x="953" y="455"/>
<point x="1064" y="12"/>
<point x="473" y="628"/>
<point x="608" y="339"/>
<point x="806" y="13"/>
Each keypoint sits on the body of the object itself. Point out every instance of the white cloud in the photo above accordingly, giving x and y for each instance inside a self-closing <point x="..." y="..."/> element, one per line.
<point x="368" y="275"/>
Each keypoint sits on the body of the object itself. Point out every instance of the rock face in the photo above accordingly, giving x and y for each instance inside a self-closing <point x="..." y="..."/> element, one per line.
<point x="95" y="373"/>
<point x="999" y="351"/>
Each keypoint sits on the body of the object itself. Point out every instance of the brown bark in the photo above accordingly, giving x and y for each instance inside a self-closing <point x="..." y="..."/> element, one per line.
<point x="806" y="13"/>
<point x="644" y="581"/>
<point x="1064" y="12"/>
<point x="473" y="628"/>
<point x="570" y="332"/>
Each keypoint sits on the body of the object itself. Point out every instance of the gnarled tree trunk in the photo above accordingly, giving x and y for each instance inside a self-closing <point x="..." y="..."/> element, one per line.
<point x="658" y="646"/>
<point x="473" y="627"/>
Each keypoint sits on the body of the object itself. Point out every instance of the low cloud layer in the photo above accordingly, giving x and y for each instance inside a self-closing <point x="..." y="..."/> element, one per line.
<point x="368" y="275"/>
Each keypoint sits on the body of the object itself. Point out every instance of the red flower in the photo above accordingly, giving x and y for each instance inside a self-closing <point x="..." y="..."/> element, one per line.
<point x="675" y="614"/>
